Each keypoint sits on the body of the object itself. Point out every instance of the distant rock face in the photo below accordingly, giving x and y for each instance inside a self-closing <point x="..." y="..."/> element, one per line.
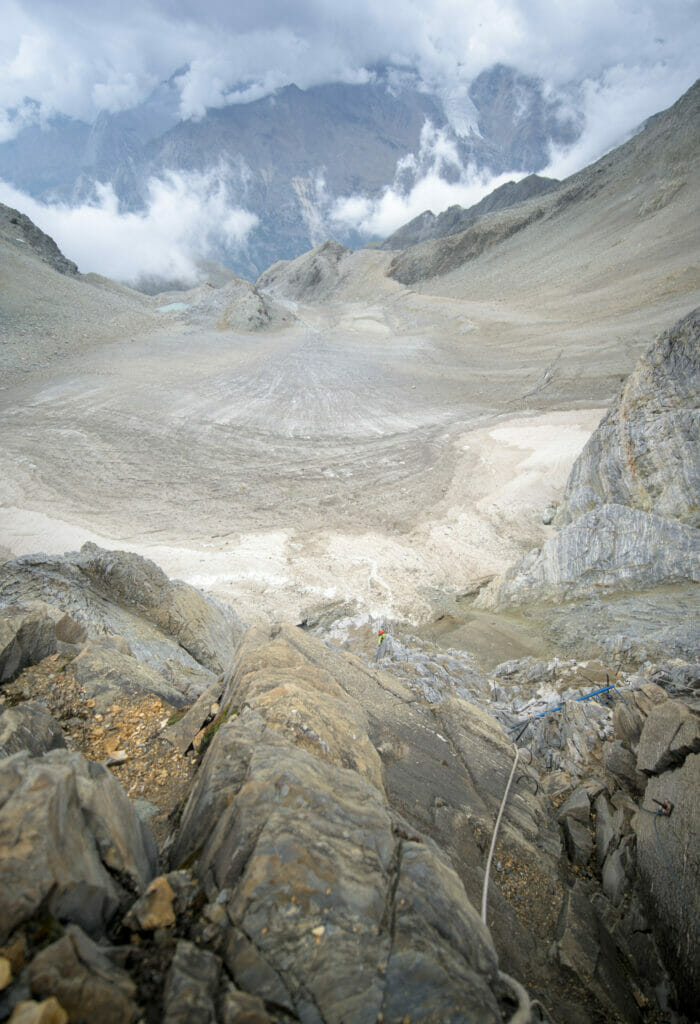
<point x="441" y="255"/>
<point x="289" y="156"/>
<point x="236" y="305"/>
<point x="661" y="157"/>
<point x="646" y="451"/>
<point x="427" y="226"/>
<point x="630" y="512"/>
<point x="19" y="228"/>
<point x="313" y="276"/>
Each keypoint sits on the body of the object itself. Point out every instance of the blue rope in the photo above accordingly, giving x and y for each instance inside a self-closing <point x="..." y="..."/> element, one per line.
<point x="577" y="700"/>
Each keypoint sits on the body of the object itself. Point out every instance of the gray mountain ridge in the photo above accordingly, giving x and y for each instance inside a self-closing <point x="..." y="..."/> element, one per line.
<point x="663" y="152"/>
<point x="455" y="219"/>
<point x="289" y="156"/>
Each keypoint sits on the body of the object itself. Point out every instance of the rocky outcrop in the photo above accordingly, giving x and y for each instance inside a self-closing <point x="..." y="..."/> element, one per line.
<point x="17" y="227"/>
<point x="28" y="727"/>
<point x="629" y="518"/>
<point x="75" y="971"/>
<point x="165" y="622"/>
<point x="646" y="454"/>
<point x="27" y="634"/>
<point x="71" y="844"/>
<point x="440" y="256"/>
<point x="612" y="548"/>
<point x="324" y="855"/>
<point x="107" y="671"/>
<point x="668" y="858"/>
<point x="455" y="219"/>
<point x="660" y="157"/>
<point x="290" y="829"/>
<point x="313" y="276"/>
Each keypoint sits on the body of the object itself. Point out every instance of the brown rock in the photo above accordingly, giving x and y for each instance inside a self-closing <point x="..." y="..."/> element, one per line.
<point x="49" y="1011"/>
<point x="86" y="982"/>
<point x="5" y="972"/>
<point x="154" y="909"/>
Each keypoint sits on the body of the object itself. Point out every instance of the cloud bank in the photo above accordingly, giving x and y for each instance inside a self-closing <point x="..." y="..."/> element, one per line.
<point x="419" y="184"/>
<point x="77" y="57"/>
<point x="186" y="217"/>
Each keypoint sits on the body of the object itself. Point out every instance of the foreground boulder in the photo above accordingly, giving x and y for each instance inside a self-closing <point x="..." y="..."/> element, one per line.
<point x="116" y="592"/>
<point x="71" y="844"/>
<point x="28" y="727"/>
<point x="27" y="635"/>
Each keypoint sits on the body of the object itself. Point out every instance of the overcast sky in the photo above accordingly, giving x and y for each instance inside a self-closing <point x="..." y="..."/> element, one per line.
<point x="80" y="56"/>
<point x="628" y="58"/>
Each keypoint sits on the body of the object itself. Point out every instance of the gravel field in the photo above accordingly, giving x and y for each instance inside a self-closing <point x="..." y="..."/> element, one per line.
<point x="378" y="448"/>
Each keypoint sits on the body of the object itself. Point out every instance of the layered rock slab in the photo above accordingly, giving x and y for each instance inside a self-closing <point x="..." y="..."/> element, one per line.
<point x="71" y="822"/>
<point x="165" y="622"/>
<point x="646" y="451"/>
<point x="628" y="523"/>
<point x="289" y="825"/>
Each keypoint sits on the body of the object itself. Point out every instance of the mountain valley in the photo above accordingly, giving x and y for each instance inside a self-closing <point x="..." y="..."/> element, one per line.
<point x="292" y="573"/>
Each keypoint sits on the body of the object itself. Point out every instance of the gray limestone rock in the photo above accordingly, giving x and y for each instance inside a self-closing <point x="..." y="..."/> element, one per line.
<point x="191" y="986"/>
<point x="126" y="595"/>
<point x="611" y="548"/>
<point x="315" y="275"/>
<point x="182" y="732"/>
<point x="24" y="230"/>
<point x="622" y="765"/>
<point x="618" y="870"/>
<point x="577" y="806"/>
<point x="584" y="947"/>
<point x="251" y="971"/>
<point x="84" y="980"/>
<point x="107" y="670"/>
<point x="604" y="830"/>
<point x="668" y="861"/>
<point x="627" y="722"/>
<point x="205" y="628"/>
<point x="619" y="573"/>
<point x="335" y="906"/>
<point x="670" y="733"/>
<point x="71" y="820"/>
<point x="27" y="635"/>
<point x="28" y="727"/>
<point x="578" y="840"/>
<point x="645" y="454"/>
<point x="236" y="1007"/>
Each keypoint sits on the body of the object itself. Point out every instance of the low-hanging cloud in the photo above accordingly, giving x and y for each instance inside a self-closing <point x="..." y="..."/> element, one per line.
<point x="613" y="107"/>
<point x="186" y="217"/>
<point x="419" y="184"/>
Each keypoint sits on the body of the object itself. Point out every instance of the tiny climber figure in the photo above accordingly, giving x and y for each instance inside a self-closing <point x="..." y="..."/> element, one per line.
<point x="381" y="644"/>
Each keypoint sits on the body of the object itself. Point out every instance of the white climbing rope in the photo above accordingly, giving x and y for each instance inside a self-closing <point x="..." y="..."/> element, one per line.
<point x="523" y="1014"/>
<point x="485" y="891"/>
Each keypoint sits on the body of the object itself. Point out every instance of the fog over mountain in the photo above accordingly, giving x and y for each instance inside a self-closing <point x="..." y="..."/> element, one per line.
<point x="148" y="137"/>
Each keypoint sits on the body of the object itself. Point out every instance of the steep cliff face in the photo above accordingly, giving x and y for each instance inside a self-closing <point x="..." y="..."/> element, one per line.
<point x="645" y="452"/>
<point x="630" y="512"/>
